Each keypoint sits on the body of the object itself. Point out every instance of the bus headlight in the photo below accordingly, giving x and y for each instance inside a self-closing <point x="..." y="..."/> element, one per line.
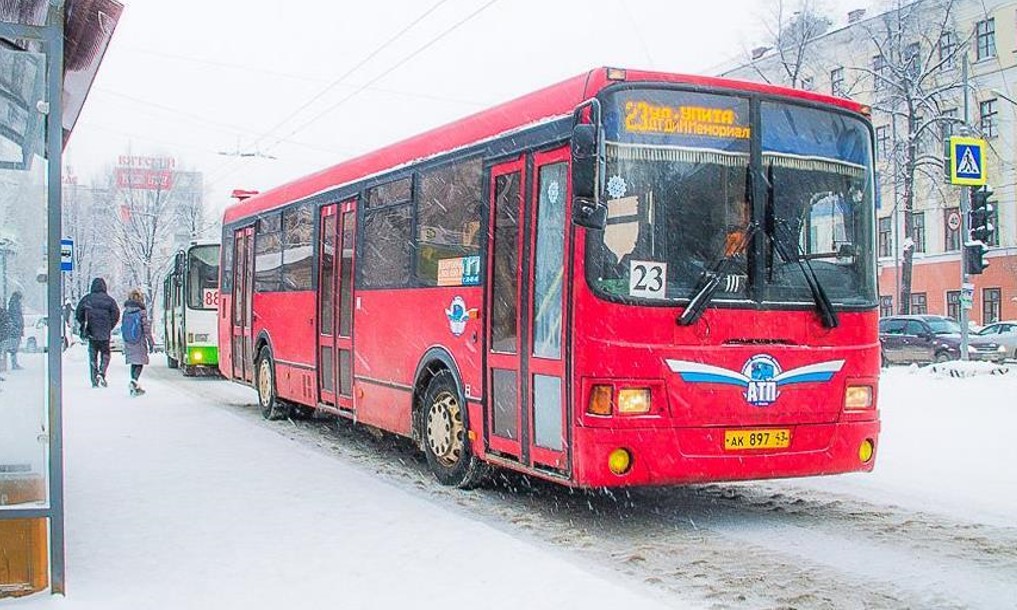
<point x="633" y="401"/>
<point x="858" y="397"/>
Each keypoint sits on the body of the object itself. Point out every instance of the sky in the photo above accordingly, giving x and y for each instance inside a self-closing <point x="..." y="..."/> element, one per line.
<point x="297" y="87"/>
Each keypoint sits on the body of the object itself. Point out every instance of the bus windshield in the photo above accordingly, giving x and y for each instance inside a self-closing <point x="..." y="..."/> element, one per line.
<point x="203" y="277"/>
<point x="680" y="199"/>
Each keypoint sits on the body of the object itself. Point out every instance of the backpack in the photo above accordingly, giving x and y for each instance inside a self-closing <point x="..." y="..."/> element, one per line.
<point x="130" y="328"/>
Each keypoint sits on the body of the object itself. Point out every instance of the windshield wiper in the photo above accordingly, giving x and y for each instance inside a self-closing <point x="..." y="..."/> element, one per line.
<point x="709" y="281"/>
<point x="780" y="238"/>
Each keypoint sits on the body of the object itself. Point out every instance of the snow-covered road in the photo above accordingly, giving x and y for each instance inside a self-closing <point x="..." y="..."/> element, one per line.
<point x="933" y="526"/>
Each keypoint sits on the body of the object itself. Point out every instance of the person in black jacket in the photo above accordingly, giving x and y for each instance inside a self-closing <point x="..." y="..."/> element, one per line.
<point x="17" y="328"/>
<point x="5" y="331"/>
<point x="97" y="313"/>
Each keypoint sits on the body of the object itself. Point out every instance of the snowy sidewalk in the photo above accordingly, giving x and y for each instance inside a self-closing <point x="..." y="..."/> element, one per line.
<point x="173" y="503"/>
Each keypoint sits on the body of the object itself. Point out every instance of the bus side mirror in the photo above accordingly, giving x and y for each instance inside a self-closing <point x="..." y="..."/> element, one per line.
<point x="587" y="211"/>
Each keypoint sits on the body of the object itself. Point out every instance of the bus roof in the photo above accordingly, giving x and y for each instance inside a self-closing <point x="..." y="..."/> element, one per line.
<point x="556" y="100"/>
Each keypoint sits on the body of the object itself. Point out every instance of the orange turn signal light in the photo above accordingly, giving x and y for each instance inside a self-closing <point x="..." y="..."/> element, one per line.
<point x="600" y="400"/>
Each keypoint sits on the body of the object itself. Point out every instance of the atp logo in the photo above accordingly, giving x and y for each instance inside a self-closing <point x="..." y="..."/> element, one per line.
<point x="761" y="376"/>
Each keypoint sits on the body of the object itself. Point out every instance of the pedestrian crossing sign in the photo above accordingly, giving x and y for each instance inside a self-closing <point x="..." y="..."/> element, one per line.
<point x="967" y="163"/>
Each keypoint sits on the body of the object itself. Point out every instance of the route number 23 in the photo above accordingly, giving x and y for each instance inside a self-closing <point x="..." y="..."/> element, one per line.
<point x="647" y="279"/>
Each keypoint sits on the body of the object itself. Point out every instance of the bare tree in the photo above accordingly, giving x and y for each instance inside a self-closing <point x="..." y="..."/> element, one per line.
<point x="791" y="28"/>
<point x="916" y="84"/>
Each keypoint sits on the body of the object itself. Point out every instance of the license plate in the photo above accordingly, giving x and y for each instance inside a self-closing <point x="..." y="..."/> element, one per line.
<point x="737" y="440"/>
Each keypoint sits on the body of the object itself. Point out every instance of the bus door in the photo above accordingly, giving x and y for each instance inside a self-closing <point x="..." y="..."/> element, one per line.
<point x="243" y="291"/>
<point x="335" y="304"/>
<point x="527" y="394"/>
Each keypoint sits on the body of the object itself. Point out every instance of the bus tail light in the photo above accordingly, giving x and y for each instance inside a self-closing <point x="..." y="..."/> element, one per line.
<point x="600" y="400"/>
<point x="857" y="397"/>
<point x="632" y="401"/>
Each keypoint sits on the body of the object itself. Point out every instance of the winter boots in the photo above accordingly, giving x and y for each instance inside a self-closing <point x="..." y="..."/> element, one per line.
<point x="135" y="389"/>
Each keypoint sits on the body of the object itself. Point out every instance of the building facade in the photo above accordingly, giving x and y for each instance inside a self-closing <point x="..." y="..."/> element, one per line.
<point x="909" y="65"/>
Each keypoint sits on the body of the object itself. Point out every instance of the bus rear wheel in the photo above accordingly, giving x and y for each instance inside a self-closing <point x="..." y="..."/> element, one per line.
<point x="271" y="407"/>
<point x="445" y="433"/>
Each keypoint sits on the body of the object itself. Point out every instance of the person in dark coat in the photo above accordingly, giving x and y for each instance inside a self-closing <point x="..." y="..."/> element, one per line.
<point x="136" y="352"/>
<point x="5" y="331"/>
<point x="17" y="328"/>
<point x="96" y="314"/>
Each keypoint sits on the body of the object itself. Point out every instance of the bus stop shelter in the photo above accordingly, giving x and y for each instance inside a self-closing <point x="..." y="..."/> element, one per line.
<point x="50" y="51"/>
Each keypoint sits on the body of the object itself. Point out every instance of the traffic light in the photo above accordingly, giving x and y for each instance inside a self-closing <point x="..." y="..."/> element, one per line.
<point x="981" y="215"/>
<point x="973" y="253"/>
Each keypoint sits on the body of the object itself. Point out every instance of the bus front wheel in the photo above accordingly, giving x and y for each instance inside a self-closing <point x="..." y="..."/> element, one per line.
<point x="445" y="434"/>
<point x="271" y="406"/>
<point x="171" y="363"/>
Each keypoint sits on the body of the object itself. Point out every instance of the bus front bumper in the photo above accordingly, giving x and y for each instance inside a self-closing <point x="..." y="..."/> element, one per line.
<point x="698" y="455"/>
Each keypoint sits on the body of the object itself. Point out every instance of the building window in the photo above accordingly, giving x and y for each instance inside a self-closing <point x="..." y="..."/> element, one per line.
<point x="947" y="50"/>
<point x="951" y="224"/>
<point x="993" y="220"/>
<point x="885" y="306"/>
<point x="912" y="60"/>
<point x="878" y="73"/>
<point x="918" y="230"/>
<point x="990" y="305"/>
<point x="987" y="112"/>
<point x="949" y="120"/>
<point x="882" y="142"/>
<point x="837" y="81"/>
<point x="919" y="304"/>
<point x="886" y="236"/>
<point x="953" y="304"/>
<point x="985" y="34"/>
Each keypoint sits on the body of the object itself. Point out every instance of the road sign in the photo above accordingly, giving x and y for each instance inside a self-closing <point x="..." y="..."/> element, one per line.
<point x="953" y="221"/>
<point x="967" y="295"/>
<point x="67" y="255"/>
<point x="967" y="163"/>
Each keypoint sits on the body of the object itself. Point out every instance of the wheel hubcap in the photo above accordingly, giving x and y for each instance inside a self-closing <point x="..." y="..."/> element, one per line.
<point x="265" y="383"/>
<point x="445" y="430"/>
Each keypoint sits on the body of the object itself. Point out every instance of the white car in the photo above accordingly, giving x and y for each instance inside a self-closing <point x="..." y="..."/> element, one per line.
<point x="36" y="337"/>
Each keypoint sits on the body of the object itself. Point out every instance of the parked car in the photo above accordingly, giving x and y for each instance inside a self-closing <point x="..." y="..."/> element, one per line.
<point x="1003" y="333"/>
<point x="928" y="338"/>
<point x="36" y="338"/>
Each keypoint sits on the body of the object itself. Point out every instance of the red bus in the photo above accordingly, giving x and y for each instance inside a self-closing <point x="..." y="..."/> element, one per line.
<point x="627" y="278"/>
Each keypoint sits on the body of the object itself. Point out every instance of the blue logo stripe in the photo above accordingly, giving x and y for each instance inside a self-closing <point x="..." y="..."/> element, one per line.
<point x="806" y="378"/>
<point x="712" y="378"/>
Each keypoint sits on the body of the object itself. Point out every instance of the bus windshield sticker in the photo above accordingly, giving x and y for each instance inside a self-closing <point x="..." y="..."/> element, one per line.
<point x="647" y="279"/>
<point x="616" y="187"/>
<point x="462" y="271"/>
<point x="622" y="230"/>
<point x="458" y="315"/>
